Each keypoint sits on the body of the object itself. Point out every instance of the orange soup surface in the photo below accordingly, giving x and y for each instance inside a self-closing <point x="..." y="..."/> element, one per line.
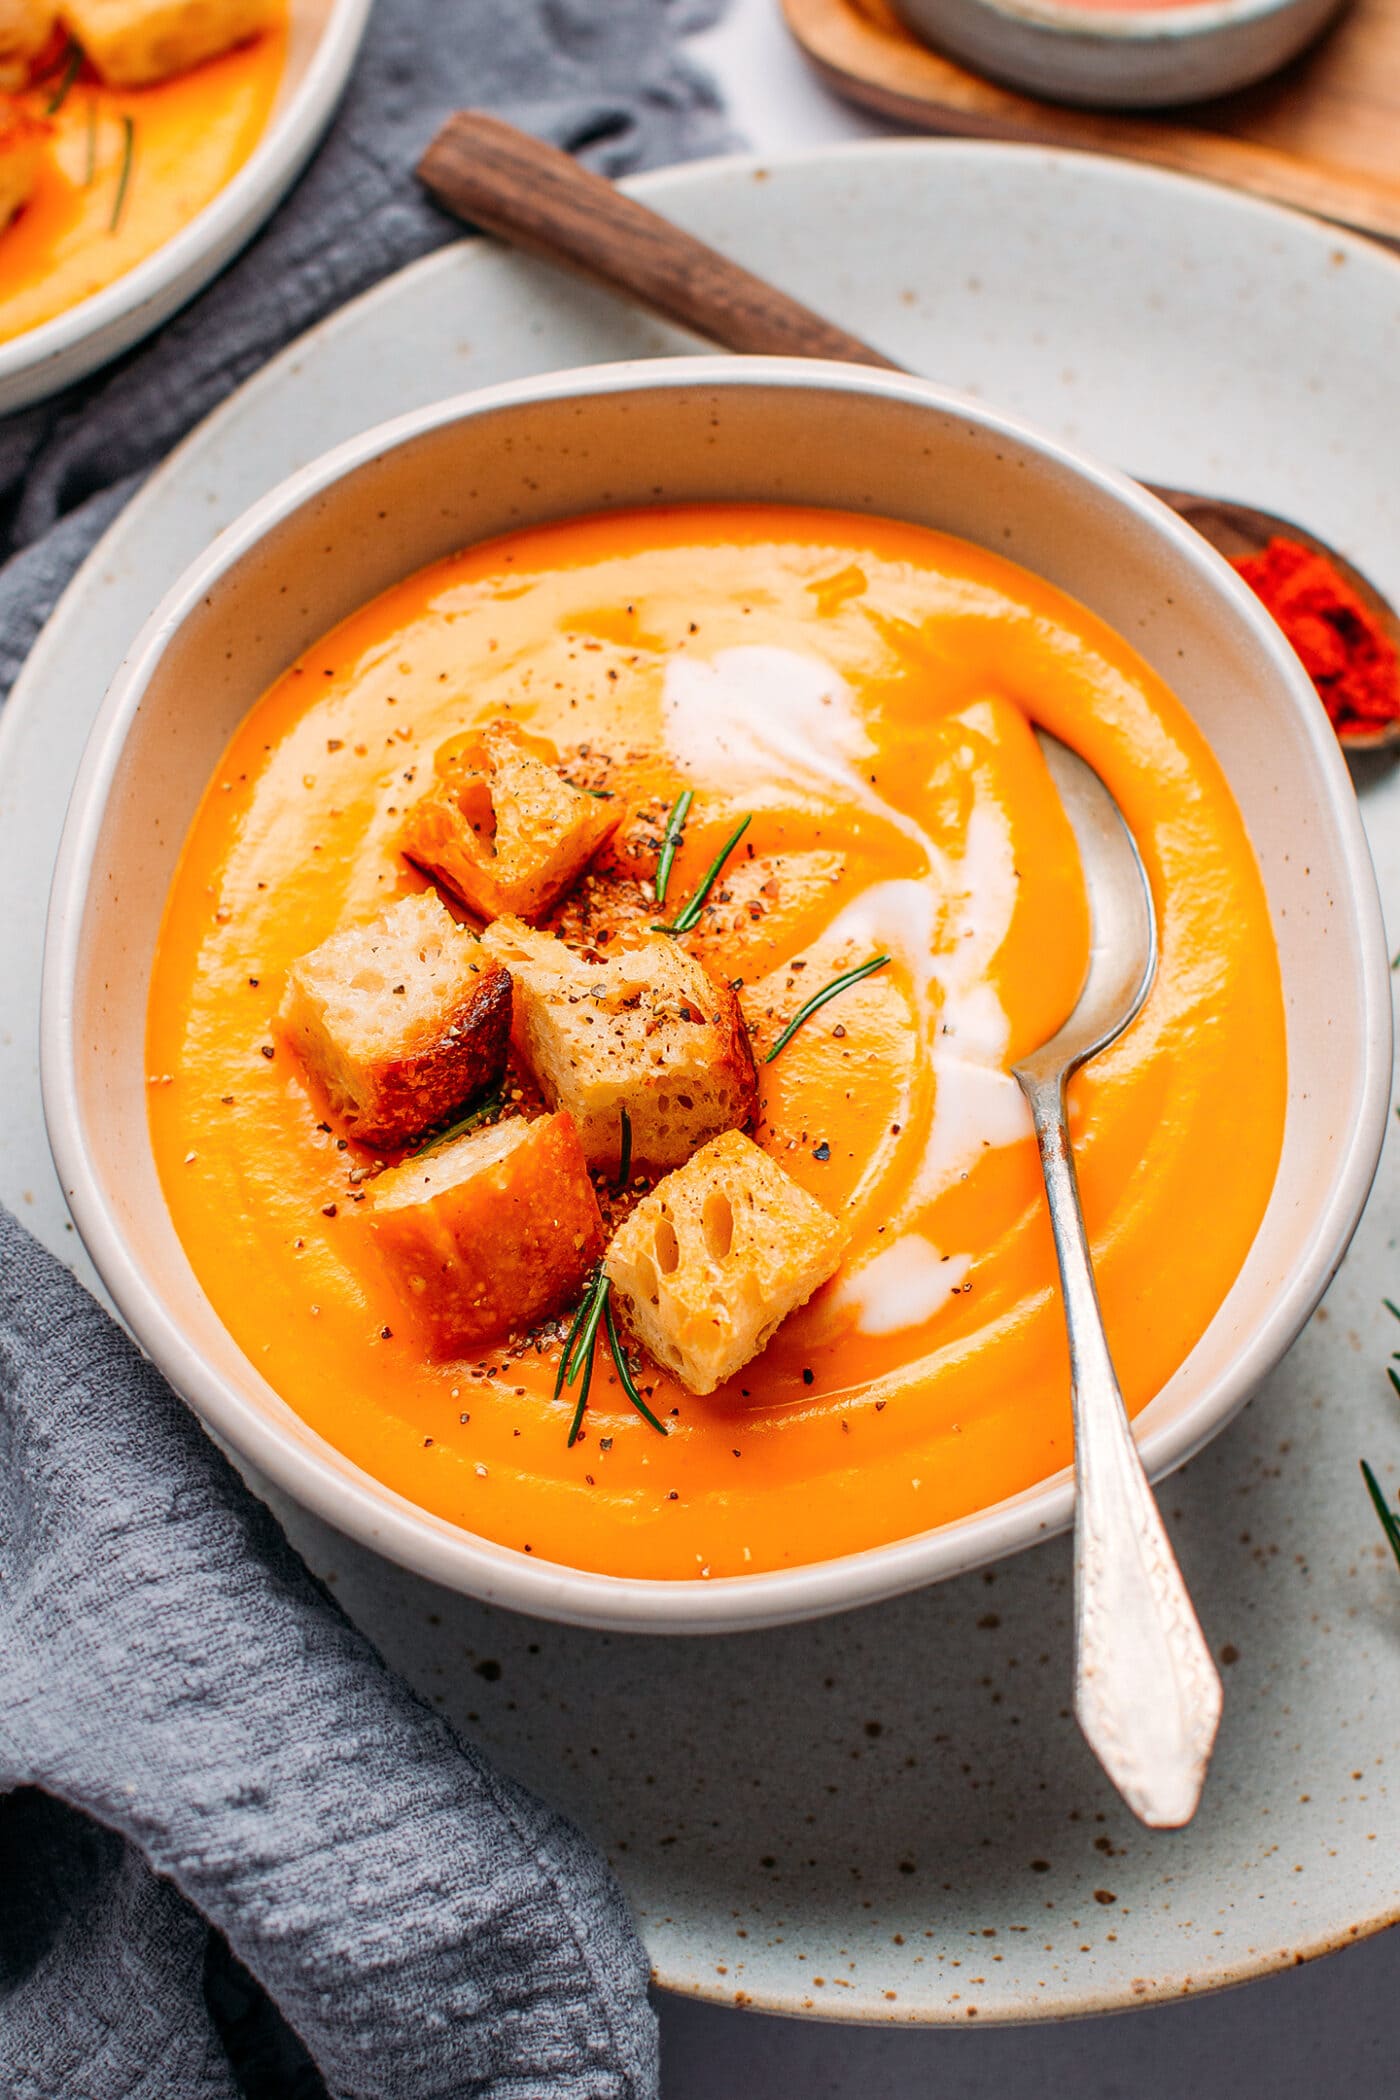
<point x="124" y="170"/>
<point x="864" y="690"/>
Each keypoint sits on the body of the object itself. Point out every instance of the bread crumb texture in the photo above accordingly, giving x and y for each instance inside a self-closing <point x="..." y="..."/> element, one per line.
<point x="399" y="1022"/>
<point x="711" y="1263"/>
<point x="648" y="1030"/>
<point x="502" y="827"/>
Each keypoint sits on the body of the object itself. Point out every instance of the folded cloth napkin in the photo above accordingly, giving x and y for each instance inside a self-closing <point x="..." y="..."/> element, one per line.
<point x="206" y="1776"/>
<point x="602" y="77"/>
<point x="241" y="1757"/>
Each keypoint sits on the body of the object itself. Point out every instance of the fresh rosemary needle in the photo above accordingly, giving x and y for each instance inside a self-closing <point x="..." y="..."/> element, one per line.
<point x="463" y="1124"/>
<point x="690" y="911"/>
<point x="671" y="838"/>
<point x="1390" y="1524"/>
<point x="72" y="66"/>
<point x="624" y="1369"/>
<point x="124" y="179"/>
<point x="90" y="167"/>
<point x="818" y="999"/>
<point x="581" y="1349"/>
<point x="579" y="1355"/>
<point x="579" y="1317"/>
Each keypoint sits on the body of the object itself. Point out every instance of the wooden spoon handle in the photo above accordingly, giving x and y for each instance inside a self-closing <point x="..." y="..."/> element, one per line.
<point x="501" y="179"/>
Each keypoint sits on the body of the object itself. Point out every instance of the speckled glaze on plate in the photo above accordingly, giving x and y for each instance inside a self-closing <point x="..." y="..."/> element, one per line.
<point x="890" y="1816"/>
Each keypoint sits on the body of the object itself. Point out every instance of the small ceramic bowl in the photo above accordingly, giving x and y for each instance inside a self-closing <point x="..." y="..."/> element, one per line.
<point x="322" y="41"/>
<point x="1110" y="57"/>
<point x="696" y="429"/>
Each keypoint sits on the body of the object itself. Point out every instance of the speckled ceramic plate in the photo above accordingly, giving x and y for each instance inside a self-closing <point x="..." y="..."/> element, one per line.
<point x="890" y="1816"/>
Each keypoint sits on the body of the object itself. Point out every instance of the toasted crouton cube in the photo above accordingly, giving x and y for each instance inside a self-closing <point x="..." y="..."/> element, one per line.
<point x="400" y="1021"/>
<point x="22" y="140"/>
<point x="649" y="1031"/>
<point x="25" y="28"/>
<point x="490" y="1232"/>
<point x="134" y="42"/>
<point x="712" y="1262"/>
<point x="502" y="827"/>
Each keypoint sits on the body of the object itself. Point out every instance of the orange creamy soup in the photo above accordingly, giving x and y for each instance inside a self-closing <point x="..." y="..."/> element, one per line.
<point x="864" y="690"/>
<point x="124" y="169"/>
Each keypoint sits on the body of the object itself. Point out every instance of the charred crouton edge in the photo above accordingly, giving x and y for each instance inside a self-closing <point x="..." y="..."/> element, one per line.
<point x="711" y="1263"/>
<point x="649" y="1031"/>
<point x="501" y="827"/>
<point x="488" y="1233"/>
<point x="399" y="1022"/>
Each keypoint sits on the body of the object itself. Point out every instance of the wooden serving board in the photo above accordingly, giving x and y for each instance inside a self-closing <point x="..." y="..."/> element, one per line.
<point x="1322" y="136"/>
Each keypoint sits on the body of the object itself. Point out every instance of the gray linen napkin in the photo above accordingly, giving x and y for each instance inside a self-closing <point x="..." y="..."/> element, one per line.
<point x="169" y="1668"/>
<point x="206" y="1775"/>
<point x="601" y="77"/>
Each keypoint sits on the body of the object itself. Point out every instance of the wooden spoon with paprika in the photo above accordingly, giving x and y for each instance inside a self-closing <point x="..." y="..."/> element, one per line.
<point x="503" y="180"/>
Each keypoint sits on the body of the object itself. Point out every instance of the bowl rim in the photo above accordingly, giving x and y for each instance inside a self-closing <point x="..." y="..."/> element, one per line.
<point x="1125" y="27"/>
<point x="354" y="1502"/>
<point x="134" y="303"/>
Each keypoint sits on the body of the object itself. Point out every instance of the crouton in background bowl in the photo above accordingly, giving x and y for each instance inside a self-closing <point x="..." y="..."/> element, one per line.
<point x="696" y="430"/>
<point x="323" y="37"/>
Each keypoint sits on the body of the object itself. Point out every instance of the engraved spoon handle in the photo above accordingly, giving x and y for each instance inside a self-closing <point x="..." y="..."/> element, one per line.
<point x="1147" y="1693"/>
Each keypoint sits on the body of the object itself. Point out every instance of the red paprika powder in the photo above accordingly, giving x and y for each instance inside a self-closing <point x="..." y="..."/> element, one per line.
<point x="1346" y="653"/>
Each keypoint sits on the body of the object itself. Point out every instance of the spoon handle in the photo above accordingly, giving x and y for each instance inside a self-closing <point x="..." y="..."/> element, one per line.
<point x="531" y="194"/>
<point x="1146" y="1693"/>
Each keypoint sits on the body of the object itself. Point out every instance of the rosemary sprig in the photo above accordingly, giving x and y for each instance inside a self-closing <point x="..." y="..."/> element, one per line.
<point x="819" y="999"/>
<point x="624" y="1164"/>
<point x="675" y="831"/>
<point x="579" y="1356"/>
<point x="579" y="1317"/>
<point x="124" y="179"/>
<point x="463" y="1124"/>
<point x="1390" y="1523"/>
<point x="624" y="1370"/>
<point x="72" y="67"/>
<point x="581" y="1348"/>
<point x="690" y="911"/>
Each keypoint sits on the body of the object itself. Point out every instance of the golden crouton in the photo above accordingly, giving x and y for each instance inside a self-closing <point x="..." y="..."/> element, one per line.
<point x="400" y="1021"/>
<point x="133" y="42"/>
<point x="25" y="28"/>
<point x="502" y="827"/>
<point x="649" y="1031"/>
<point x="716" y="1257"/>
<point x="488" y="1233"/>
<point x="22" y="140"/>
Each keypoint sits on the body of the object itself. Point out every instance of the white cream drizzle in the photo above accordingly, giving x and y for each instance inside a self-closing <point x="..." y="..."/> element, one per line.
<point x="768" y="721"/>
<point x="901" y="1286"/>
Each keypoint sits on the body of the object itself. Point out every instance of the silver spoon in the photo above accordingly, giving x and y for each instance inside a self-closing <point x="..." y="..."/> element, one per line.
<point x="1146" y="1692"/>
<point x="530" y="193"/>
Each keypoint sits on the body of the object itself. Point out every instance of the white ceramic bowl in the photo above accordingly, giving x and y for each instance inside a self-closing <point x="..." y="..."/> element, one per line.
<point x="696" y="429"/>
<point x="323" y="38"/>
<point x="1121" y="57"/>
